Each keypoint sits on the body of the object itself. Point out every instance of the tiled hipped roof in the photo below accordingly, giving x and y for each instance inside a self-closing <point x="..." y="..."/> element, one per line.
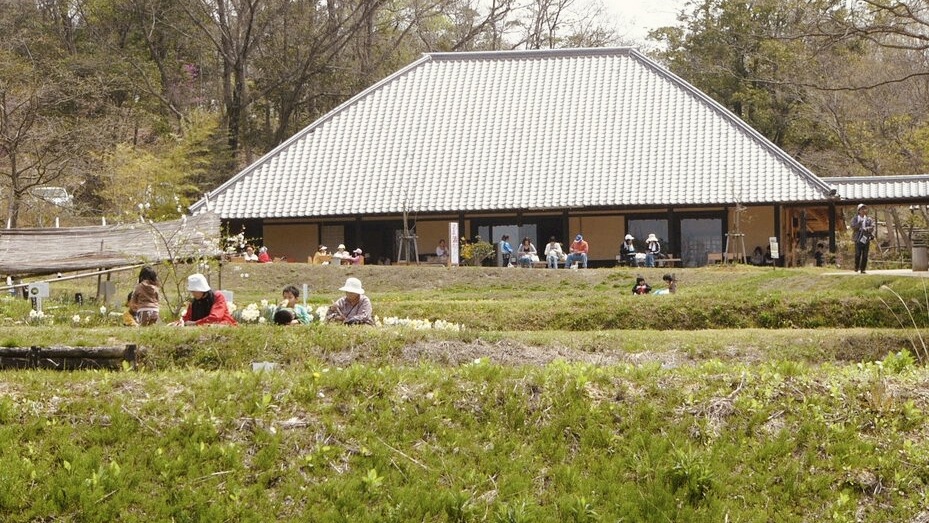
<point x="553" y="129"/>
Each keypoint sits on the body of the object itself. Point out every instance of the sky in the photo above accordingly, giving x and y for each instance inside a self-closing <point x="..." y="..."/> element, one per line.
<point x="635" y="18"/>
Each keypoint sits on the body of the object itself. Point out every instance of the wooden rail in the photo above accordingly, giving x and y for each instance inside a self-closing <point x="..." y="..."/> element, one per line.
<point x="68" y="358"/>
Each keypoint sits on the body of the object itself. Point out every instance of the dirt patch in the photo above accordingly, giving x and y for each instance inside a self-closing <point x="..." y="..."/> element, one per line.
<point x="510" y="353"/>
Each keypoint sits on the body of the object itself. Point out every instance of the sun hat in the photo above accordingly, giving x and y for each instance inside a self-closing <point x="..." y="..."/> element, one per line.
<point x="861" y="205"/>
<point x="197" y="282"/>
<point x="342" y="246"/>
<point x="651" y="238"/>
<point x="578" y="238"/>
<point x="352" y="285"/>
<point x="357" y="251"/>
<point x="323" y="248"/>
<point x="629" y="237"/>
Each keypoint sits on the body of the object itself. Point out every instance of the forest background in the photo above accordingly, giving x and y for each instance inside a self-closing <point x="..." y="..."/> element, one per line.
<point x="137" y="107"/>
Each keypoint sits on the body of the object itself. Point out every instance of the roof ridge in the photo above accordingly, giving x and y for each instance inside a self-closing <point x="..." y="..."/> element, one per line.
<point x="876" y="178"/>
<point x="529" y="53"/>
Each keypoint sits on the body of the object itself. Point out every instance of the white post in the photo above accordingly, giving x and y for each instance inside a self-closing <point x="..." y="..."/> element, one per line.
<point x="104" y="220"/>
<point x="453" y="243"/>
<point x="56" y="222"/>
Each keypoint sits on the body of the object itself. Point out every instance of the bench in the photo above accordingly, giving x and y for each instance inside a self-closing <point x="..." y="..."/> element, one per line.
<point x="534" y="265"/>
<point x="659" y="262"/>
<point x="667" y="262"/>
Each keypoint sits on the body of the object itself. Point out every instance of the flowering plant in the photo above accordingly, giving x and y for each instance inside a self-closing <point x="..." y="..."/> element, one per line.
<point x="253" y="312"/>
<point x="414" y="324"/>
<point x="39" y="317"/>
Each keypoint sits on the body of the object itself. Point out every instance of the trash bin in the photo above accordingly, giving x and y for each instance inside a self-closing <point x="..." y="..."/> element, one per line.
<point x="920" y="258"/>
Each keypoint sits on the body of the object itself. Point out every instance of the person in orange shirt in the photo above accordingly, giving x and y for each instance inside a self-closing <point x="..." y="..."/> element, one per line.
<point x="577" y="253"/>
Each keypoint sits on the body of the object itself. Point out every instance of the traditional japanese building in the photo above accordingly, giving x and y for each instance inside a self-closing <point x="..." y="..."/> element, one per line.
<point x="602" y="142"/>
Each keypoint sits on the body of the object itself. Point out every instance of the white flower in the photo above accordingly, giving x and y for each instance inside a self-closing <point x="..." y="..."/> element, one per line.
<point x="76" y="318"/>
<point x="262" y="320"/>
<point x="264" y="303"/>
<point x="103" y="309"/>
<point x="250" y="313"/>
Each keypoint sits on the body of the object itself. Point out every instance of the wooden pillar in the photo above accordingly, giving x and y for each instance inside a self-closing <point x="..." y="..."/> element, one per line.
<point x="832" y="225"/>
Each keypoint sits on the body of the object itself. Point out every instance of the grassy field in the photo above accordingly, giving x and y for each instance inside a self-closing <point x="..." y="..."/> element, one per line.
<point x="751" y="395"/>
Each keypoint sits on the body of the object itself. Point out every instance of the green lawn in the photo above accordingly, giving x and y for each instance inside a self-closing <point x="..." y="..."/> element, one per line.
<point x="751" y="395"/>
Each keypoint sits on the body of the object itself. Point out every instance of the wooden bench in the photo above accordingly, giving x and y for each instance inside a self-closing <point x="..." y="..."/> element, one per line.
<point x="667" y="262"/>
<point x="659" y="262"/>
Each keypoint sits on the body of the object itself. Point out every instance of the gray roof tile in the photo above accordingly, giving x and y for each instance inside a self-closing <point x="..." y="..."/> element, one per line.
<point x="518" y="130"/>
<point x="875" y="189"/>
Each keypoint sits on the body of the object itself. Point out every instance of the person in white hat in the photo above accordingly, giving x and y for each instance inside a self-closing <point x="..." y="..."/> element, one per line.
<point x="341" y="253"/>
<point x="357" y="257"/>
<point x="207" y="307"/>
<point x="627" y="251"/>
<point x="863" y="227"/>
<point x="352" y="309"/>
<point x="652" y="250"/>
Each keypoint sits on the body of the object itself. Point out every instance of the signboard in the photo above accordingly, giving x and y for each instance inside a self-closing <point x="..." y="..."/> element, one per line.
<point x="775" y="254"/>
<point x="35" y="292"/>
<point x="38" y="290"/>
<point x="453" y="243"/>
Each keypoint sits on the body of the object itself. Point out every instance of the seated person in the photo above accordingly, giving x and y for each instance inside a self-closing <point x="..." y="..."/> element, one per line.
<point x="671" y="280"/>
<point x="441" y="251"/>
<point x="263" y="256"/>
<point x="249" y="254"/>
<point x="144" y="301"/>
<point x="526" y="253"/>
<point x="818" y="255"/>
<point x="352" y="309"/>
<point x="207" y="307"/>
<point x="768" y="258"/>
<point x="285" y="316"/>
<point x="577" y="252"/>
<point x="506" y="251"/>
<point x="299" y="313"/>
<point x="321" y="257"/>
<point x="627" y="251"/>
<point x="757" y="256"/>
<point x="553" y="253"/>
<point x="341" y="253"/>
<point x="357" y="257"/>
<point x="641" y="287"/>
<point x="652" y="250"/>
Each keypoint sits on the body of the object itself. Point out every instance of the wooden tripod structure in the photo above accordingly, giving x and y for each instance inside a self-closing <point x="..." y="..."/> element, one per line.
<point x="408" y="250"/>
<point x="738" y="236"/>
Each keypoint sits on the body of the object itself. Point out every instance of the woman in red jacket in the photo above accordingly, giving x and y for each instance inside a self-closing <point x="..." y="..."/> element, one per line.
<point x="208" y="307"/>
